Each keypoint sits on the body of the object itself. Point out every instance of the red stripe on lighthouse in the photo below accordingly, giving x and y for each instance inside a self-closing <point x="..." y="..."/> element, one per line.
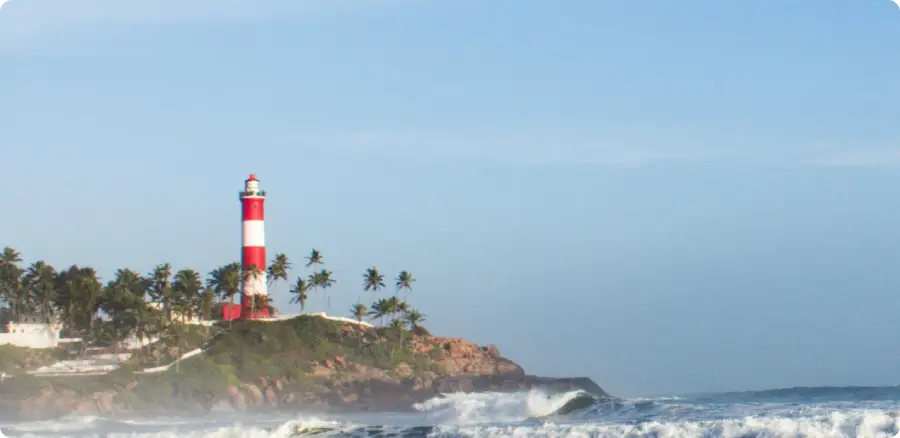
<point x="253" y="255"/>
<point x="253" y="209"/>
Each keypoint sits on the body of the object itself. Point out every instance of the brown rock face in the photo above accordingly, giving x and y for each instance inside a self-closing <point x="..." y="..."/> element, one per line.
<point x="237" y="399"/>
<point x="253" y="393"/>
<point x="466" y="358"/>
<point x="50" y="403"/>
<point x="249" y="396"/>
<point x="403" y="370"/>
<point x="47" y="403"/>
<point x="271" y="397"/>
<point x="464" y="367"/>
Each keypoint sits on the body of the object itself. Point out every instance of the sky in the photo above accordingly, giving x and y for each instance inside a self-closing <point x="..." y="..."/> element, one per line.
<point x="667" y="197"/>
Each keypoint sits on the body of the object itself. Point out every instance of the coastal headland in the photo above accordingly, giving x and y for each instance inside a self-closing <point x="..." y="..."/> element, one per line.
<point x="169" y="343"/>
<point x="306" y="363"/>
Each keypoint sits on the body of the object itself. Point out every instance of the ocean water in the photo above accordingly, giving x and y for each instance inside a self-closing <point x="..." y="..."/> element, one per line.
<point x="796" y="412"/>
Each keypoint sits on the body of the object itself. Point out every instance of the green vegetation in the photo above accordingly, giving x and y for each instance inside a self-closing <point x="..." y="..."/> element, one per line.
<point x="306" y="356"/>
<point x="236" y="352"/>
<point x="288" y="351"/>
<point x="15" y="359"/>
<point x="105" y="314"/>
<point x="281" y="348"/>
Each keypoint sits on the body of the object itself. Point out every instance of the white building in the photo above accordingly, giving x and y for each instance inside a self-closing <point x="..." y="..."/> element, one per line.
<point x="175" y="316"/>
<point x="31" y="331"/>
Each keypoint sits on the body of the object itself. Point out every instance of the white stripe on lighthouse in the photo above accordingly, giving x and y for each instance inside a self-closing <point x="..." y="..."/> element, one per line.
<point x="255" y="286"/>
<point x="254" y="233"/>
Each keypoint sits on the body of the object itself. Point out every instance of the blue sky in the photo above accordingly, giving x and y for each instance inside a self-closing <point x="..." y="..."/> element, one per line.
<point x="667" y="197"/>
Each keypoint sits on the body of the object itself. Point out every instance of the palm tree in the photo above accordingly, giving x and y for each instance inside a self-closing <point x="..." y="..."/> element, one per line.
<point x="40" y="282"/>
<point x="160" y="289"/>
<point x="263" y="302"/>
<point x="225" y="281"/>
<point x="314" y="282"/>
<point x="205" y="303"/>
<point x="19" y="296"/>
<point x="68" y="294"/>
<point x="147" y="320"/>
<point x="358" y="311"/>
<point x="324" y="281"/>
<point x="300" y="291"/>
<point x="123" y="301"/>
<point x="187" y="287"/>
<point x="414" y="318"/>
<point x="380" y="309"/>
<point x="373" y="280"/>
<point x="11" y="256"/>
<point x="400" y="326"/>
<point x="404" y="282"/>
<point x="11" y="288"/>
<point x="393" y="306"/>
<point x="232" y="280"/>
<point x="278" y="269"/>
<point x="314" y="258"/>
<point x="402" y="307"/>
<point x="89" y="294"/>
<point x="252" y="275"/>
<point x="77" y="294"/>
<point x="216" y="281"/>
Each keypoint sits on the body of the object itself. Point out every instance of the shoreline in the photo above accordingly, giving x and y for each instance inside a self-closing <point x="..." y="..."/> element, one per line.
<point x="306" y="363"/>
<point x="398" y="398"/>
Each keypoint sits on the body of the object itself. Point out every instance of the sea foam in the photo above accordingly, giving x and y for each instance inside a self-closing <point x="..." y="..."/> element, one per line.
<point x="524" y="414"/>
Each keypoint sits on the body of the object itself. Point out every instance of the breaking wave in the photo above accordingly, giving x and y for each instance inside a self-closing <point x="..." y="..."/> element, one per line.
<point x="795" y="413"/>
<point x="462" y="408"/>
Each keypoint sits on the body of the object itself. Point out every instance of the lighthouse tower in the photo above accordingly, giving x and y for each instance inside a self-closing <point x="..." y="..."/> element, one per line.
<point x="253" y="251"/>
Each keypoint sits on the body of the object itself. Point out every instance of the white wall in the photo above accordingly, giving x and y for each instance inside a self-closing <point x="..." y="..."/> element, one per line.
<point x="97" y="364"/>
<point x="31" y="335"/>
<point x="195" y="320"/>
<point x="133" y="343"/>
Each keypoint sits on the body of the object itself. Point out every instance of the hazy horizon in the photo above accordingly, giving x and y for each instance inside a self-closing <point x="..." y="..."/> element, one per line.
<point x="668" y="198"/>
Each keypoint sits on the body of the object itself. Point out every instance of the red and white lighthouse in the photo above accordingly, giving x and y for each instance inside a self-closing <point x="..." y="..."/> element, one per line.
<point x="253" y="251"/>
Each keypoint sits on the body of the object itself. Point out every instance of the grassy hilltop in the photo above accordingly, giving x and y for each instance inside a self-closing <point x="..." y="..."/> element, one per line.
<point x="291" y="352"/>
<point x="307" y="361"/>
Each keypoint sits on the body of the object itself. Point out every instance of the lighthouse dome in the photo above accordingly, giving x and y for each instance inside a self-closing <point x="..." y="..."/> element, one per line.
<point x="251" y="188"/>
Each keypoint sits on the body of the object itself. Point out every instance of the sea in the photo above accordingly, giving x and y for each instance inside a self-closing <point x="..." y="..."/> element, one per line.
<point x="794" y="412"/>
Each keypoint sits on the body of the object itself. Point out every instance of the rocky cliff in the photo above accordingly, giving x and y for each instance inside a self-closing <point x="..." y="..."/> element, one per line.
<point x="305" y="363"/>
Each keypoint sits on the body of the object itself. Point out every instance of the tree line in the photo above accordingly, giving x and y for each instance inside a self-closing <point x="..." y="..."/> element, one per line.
<point x="77" y="298"/>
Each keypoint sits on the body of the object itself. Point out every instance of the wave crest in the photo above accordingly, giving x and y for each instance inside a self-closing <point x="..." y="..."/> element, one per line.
<point x="493" y="407"/>
<point x="533" y="413"/>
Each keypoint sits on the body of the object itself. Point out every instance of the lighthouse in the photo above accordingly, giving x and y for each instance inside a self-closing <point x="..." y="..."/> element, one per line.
<point x="253" y="250"/>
